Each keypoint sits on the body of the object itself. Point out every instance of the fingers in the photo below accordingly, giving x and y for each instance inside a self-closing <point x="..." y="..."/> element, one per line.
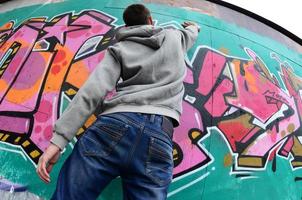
<point x="185" y="24"/>
<point x="46" y="162"/>
<point x="49" y="167"/>
<point x="41" y="170"/>
<point x="51" y="163"/>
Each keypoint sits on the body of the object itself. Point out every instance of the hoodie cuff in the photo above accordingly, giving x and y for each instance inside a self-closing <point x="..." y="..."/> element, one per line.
<point x="59" y="140"/>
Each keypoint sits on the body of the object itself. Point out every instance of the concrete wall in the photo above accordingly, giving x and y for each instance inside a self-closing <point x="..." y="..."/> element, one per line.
<point x="240" y="132"/>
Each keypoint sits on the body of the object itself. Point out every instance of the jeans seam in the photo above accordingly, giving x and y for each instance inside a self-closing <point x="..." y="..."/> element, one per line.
<point x="94" y="154"/>
<point x="105" y="151"/>
<point x="159" y="134"/>
<point x="116" y="127"/>
<point x="127" y="119"/>
<point x="115" y="134"/>
<point x="134" y="146"/>
<point x="155" y="153"/>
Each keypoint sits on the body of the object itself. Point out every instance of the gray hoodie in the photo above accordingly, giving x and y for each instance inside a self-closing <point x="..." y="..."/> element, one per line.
<point x="149" y="62"/>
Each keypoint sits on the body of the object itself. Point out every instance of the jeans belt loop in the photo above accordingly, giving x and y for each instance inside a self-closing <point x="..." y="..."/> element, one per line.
<point x="167" y="126"/>
<point x="152" y="118"/>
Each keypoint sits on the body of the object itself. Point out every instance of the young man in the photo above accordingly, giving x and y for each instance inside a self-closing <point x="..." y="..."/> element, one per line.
<point x="132" y="137"/>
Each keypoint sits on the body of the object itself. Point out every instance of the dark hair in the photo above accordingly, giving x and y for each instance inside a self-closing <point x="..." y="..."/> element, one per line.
<point x="136" y="14"/>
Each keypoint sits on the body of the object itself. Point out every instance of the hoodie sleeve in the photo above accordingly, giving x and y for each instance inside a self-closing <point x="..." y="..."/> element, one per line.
<point x="102" y="80"/>
<point x="188" y="37"/>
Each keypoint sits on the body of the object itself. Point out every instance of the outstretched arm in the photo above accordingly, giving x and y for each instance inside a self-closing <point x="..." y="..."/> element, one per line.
<point x="189" y="35"/>
<point x="102" y="80"/>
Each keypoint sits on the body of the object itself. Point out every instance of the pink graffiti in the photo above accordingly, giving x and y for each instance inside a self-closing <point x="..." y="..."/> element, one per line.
<point x="194" y="155"/>
<point x="37" y="60"/>
<point x="245" y="102"/>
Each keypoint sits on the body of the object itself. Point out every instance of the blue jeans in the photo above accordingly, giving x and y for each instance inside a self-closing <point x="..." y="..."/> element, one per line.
<point x="137" y="147"/>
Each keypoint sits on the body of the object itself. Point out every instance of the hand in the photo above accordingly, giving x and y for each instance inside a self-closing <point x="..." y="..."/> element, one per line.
<point x="46" y="162"/>
<point x="186" y="24"/>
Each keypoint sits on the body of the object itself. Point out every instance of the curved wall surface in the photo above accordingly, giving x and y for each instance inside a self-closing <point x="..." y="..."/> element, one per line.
<point x="240" y="133"/>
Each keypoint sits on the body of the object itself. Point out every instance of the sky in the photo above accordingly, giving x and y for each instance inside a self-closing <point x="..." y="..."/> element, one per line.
<point x="285" y="13"/>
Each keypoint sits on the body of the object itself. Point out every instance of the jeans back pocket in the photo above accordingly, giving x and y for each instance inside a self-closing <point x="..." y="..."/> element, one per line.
<point x="101" y="138"/>
<point x="159" y="164"/>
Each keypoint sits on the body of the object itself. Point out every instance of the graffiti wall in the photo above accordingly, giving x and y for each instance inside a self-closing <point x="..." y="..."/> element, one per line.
<point x="241" y="125"/>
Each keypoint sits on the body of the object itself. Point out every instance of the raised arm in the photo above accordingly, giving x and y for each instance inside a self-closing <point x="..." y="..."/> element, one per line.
<point x="189" y="35"/>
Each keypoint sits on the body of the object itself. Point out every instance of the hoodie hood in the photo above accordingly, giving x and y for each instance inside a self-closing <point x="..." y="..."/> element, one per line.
<point x="145" y="34"/>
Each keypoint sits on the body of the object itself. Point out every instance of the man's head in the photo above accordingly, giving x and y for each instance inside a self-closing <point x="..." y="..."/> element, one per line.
<point x="137" y="14"/>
